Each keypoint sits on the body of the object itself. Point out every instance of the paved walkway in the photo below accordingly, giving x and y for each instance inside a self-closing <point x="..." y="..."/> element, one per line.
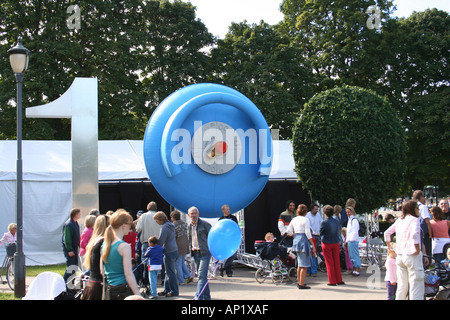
<point x="243" y="286"/>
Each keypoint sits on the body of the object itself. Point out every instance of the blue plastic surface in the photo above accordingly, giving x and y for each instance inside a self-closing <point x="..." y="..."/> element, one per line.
<point x="185" y="184"/>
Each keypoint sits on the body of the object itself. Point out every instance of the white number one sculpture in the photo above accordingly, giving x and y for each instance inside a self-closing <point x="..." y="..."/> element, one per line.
<point x="80" y="103"/>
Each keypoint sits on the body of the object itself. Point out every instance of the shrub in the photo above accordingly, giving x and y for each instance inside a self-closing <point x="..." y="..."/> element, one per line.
<point x="348" y="142"/>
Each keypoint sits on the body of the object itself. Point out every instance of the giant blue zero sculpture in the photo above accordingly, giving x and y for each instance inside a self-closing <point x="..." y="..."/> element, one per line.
<point x="207" y="145"/>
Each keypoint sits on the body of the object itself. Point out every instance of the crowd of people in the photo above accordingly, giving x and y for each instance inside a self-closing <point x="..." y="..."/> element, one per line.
<point x="118" y="252"/>
<point x="418" y="236"/>
<point x="411" y="239"/>
<point x="305" y="230"/>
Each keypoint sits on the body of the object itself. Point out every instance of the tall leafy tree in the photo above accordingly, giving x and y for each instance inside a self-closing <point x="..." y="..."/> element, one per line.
<point x="174" y="51"/>
<point x="428" y="139"/>
<point x="259" y="61"/>
<point x="406" y="61"/>
<point x="103" y="47"/>
<point x="417" y="84"/>
<point x="421" y="45"/>
<point x="119" y="42"/>
<point x="335" y="37"/>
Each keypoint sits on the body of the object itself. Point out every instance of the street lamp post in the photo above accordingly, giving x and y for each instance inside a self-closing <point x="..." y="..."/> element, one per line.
<point x="18" y="58"/>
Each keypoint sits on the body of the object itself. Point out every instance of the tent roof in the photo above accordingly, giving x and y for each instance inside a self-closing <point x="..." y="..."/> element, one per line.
<point x="118" y="160"/>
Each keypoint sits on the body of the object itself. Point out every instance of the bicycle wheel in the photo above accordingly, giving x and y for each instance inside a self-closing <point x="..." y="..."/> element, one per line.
<point x="277" y="277"/>
<point x="260" y="275"/>
<point x="292" y="274"/>
<point x="10" y="274"/>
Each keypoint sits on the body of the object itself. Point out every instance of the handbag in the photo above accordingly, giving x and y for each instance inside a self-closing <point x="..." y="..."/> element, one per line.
<point x="119" y="292"/>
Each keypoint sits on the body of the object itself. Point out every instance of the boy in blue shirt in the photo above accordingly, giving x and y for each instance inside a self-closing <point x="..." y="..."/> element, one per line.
<point x="154" y="254"/>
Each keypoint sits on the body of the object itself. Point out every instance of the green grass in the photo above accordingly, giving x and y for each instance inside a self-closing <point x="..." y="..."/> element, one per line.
<point x="33" y="271"/>
<point x="8" y="296"/>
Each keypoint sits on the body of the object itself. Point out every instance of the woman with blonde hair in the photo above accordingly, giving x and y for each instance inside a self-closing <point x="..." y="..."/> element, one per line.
<point x="353" y="240"/>
<point x="10" y="236"/>
<point x="87" y="233"/>
<point x="94" y="286"/>
<point x="116" y="258"/>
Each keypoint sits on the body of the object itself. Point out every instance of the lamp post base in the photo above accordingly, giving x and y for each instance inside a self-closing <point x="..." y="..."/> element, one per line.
<point x="19" y="275"/>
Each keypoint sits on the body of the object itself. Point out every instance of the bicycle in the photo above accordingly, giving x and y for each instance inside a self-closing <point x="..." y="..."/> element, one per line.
<point x="8" y="265"/>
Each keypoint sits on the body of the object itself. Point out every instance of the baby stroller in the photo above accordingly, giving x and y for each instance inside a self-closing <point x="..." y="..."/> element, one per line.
<point x="46" y="286"/>
<point x="273" y="253"/>
<point x="141" y="274"/>
<point x="437" y="280"/>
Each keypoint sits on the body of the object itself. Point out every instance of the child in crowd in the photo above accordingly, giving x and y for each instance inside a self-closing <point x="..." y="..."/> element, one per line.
<point x="391" y="274"/>
<point x="269" y="237"/>
<point x="154" y="254"/>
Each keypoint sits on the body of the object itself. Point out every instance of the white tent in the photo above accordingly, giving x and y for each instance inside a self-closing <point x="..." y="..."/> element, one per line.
<point x="47" y="174"/>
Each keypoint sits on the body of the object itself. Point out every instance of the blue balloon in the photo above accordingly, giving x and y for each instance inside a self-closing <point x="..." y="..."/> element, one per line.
<point x="224" y="239"/>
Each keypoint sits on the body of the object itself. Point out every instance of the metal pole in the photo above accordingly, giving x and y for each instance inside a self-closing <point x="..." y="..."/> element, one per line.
<point x="19" y="257"/>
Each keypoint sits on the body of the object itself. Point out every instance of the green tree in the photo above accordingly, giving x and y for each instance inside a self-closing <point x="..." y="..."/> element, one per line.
<point x="420" y="44"/>
<point x="119" y="42"/>
<point x="103" y="47"/>
<point x="174" y="52"/>
<point x="417" y="85"/>
<point x="428" y="139"/>
<point x="259" y="61"/>
<point x="406" y="61"/>
<point x="337" y="41"/>
<point x="348" y="142"/>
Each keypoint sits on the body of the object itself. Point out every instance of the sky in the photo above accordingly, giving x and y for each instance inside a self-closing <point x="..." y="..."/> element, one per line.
<point x="217" y="15"/>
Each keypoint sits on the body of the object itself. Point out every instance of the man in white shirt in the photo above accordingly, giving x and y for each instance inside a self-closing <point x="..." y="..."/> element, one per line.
<point x="148" y="227"/>
<point x="315" y="220"/>
<point x="425" y="218"/>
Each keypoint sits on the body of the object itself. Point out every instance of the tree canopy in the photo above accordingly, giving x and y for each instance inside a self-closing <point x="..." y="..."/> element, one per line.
<point x="405" y="60"/>
<point x="142" y="51"/>
<point x="260" y="62"/>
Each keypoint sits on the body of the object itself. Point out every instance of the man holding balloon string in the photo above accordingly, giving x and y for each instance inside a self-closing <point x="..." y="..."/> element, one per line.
<point x="198" y="243"/>
<point x="220" y="241"/>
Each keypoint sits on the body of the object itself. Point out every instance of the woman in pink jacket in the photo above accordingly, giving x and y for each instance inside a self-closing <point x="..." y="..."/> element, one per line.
<point x="410" y="274"/>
